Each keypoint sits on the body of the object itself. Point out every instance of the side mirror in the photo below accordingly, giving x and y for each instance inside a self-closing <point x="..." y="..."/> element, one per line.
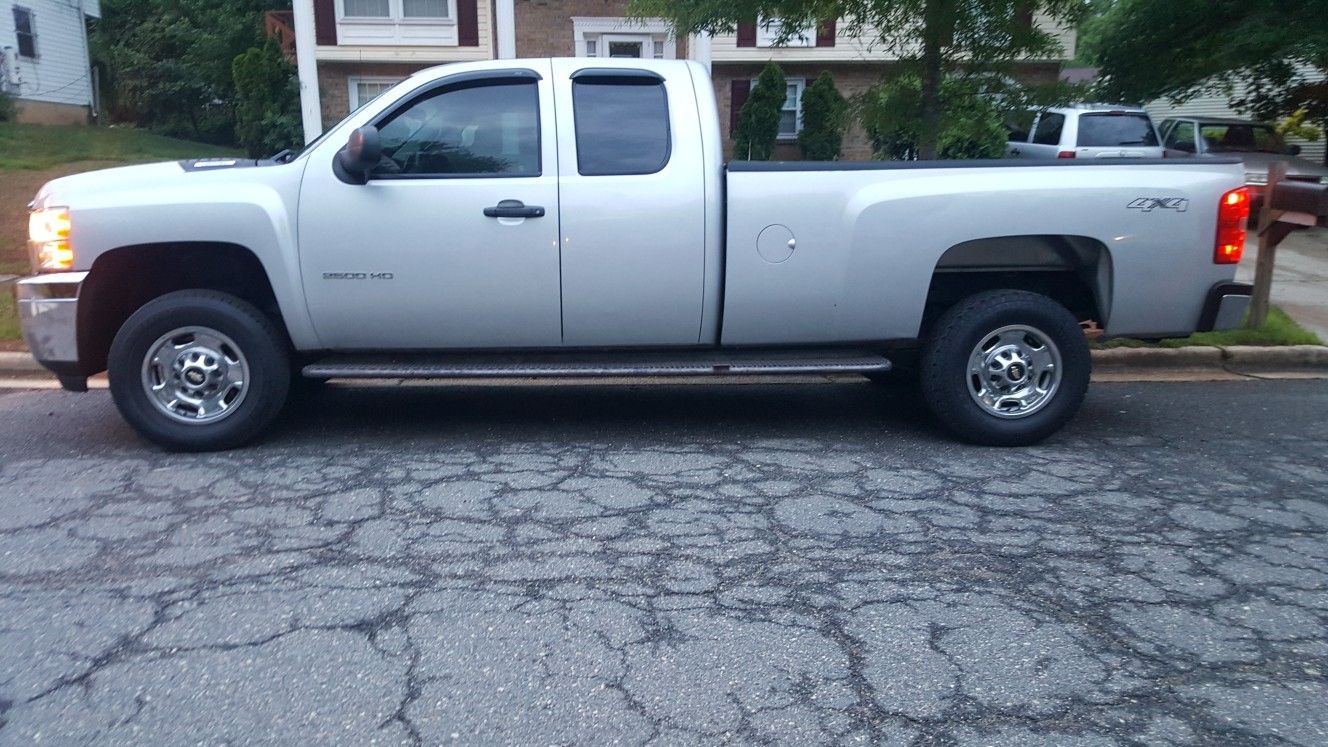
<point x="1293" y="150"/>
<point x="360" y="155"/>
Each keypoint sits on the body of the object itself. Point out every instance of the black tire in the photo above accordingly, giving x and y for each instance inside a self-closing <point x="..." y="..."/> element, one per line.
<point x="263" y="347"/>
<point x="946" y="382"/>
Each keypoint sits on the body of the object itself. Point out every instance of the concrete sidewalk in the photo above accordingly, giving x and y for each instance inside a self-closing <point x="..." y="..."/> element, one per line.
<point x="1300" y="280"/>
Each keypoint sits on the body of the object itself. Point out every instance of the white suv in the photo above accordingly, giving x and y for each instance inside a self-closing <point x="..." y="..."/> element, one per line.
<point x="1083" y="131"/>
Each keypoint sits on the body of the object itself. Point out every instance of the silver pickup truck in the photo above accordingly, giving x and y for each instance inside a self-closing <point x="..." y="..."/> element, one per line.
<point x="574" y="217"/>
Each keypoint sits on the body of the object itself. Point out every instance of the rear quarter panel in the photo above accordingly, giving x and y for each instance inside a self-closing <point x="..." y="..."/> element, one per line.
<point x="869" y="239"/>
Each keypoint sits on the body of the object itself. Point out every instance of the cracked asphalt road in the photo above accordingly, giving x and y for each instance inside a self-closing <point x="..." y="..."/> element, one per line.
<point x="682" y="564"/>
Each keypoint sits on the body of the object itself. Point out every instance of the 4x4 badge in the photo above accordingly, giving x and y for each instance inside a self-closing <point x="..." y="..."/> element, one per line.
<point x="1149" y="204"/>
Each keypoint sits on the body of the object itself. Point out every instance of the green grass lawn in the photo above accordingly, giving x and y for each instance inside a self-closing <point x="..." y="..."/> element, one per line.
<point x="8" y="316"/>
<point x="1278" y="329"/>
<point x="24" y="146"/>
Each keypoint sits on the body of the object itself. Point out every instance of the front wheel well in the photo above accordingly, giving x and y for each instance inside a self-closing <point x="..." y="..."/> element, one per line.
<point x="122" y="280"/>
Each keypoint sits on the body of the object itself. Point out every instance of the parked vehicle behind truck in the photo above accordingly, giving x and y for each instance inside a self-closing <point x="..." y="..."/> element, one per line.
<point x="574" y="217"/>
<point x="1083" y="131"/>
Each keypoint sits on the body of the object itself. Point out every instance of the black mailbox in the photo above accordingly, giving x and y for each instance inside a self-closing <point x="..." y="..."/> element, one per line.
<point x="1302" y="197"/>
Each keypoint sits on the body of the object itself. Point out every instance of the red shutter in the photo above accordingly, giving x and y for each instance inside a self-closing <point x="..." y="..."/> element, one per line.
<point x="468" y="23"/>
<point x="738" y="93"/>
<point x="747" y="34"/>
<point x="825" y="34"/>
<point x="325" y="22"/>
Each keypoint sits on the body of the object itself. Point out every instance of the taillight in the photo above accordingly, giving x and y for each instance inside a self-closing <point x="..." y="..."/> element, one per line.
<point x="1232" y="215"/>
<point x="1065" y="154"/>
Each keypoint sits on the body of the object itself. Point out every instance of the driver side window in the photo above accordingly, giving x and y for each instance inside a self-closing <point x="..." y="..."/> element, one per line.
<point x="485" y="129"/>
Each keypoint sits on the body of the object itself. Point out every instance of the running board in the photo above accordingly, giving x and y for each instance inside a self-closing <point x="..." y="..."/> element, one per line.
<point x="595" y="364"/>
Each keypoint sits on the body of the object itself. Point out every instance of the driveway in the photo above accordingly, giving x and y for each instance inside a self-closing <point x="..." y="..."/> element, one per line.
<point x="683" y="564"/>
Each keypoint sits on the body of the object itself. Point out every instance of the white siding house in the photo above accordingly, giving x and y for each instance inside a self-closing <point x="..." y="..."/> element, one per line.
<point x="44" y="61"/>
<point x="1216" y="105"/>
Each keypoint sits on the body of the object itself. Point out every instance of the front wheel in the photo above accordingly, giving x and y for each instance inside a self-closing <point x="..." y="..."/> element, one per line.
<point x="199" y="370"/>
<point x="1005" y="368"/>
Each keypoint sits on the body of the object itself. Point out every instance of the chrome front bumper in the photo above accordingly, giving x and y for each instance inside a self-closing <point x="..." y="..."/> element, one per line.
<point x="48" y="314"/>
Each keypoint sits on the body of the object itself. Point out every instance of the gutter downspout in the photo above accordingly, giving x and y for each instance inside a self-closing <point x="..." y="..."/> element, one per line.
<point x="504" y="12"/>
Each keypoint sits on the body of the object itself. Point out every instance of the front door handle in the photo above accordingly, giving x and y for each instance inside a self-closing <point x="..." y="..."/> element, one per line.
<point x="514" y="209"/>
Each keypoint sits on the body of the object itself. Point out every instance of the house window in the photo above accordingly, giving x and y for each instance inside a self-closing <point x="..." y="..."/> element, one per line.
<point x="617" y="37"/>
<point x="364" y="90"/>
<point x="396" y="10"/>
<point x="367" y="9"/>
<point x="768" y="31"/>
<point x="26" y="32"/>
<point x="790" y="115"/>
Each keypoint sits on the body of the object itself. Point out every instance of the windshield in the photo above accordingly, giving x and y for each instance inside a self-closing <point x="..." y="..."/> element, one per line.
<point x="1107" y="130"/>
<point x="1241" y="138"/>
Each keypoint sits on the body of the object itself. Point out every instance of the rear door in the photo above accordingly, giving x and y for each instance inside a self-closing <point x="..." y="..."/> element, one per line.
<point x="632" y="201"/>
<point x="1116" y="134"/>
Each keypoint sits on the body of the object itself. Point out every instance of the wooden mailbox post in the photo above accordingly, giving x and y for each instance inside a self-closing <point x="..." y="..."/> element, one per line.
<point x="1284" y="205"/>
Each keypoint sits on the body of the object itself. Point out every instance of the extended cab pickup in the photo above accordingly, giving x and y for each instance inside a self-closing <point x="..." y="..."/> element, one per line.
<point x="574" y="217"/>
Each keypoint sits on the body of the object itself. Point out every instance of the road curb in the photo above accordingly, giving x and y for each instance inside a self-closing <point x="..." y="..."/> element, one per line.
<point x="1237" y="359"/>
<point x="19" y="364"/>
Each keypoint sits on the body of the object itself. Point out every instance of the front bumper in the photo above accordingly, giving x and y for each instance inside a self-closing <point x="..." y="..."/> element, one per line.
<point x="1225" y="307"/>
<point x="48" y="314"/>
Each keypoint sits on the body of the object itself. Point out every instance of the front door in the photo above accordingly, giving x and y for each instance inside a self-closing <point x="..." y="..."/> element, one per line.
<point x="419" y="257"/>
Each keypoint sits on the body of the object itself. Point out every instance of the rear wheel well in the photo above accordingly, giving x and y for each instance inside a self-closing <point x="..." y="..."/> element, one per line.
<point x="1074" y="271"/>
<point x="123" y="280"/>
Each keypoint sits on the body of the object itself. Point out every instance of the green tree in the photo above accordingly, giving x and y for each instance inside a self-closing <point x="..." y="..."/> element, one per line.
<point x="1262" y="53"/>
<point x="934" y="39"/>
<point x="758" y="122"/>
<point x="166" y="64"/>
<point x="824" y="117"/>
<point x="970" y="124"/>
<point x="267" y="101"/>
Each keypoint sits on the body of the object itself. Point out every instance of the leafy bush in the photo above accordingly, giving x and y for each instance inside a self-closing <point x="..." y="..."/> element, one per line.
<point x="8" y="110"/>
<point x="824" y="117"/>
<point x="267" y="101"/>
<point x="758" y="123"/>
<point x="970" y="120"/>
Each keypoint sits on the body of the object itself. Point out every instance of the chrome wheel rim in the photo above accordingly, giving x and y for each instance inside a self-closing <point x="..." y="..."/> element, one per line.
<point x="1014" y="371"/>
<point x="195" y="375"/>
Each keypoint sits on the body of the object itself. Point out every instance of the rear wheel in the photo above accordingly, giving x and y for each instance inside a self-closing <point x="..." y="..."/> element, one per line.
<point x="199" y="370"/>
<point x="1005" y="368"/>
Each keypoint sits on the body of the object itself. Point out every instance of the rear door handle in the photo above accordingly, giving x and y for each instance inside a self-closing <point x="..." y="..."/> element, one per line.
<point x="514" y="209"/>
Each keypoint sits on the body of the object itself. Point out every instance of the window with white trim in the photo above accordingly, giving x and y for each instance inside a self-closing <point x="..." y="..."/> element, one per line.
<point x="397" y="10"/>
<point x="614" y="36"/>
<point x="790" y="115"/>
<point x="768" y="31"/>
<point x="364" y="90"/>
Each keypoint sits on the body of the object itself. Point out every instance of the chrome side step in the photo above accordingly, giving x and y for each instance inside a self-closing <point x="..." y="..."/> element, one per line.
<point x="596" y="364"/>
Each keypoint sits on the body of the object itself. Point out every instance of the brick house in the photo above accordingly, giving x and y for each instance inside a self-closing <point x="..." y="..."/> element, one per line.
<point x="350" y="50"/>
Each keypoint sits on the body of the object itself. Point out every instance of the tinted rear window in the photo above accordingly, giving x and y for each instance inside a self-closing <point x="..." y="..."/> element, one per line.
<point x="1106" y="130"/>
<point x="622" y="125"/>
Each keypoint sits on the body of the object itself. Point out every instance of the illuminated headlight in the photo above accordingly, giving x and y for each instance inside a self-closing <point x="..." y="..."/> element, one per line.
<point x="48" y="230"/>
